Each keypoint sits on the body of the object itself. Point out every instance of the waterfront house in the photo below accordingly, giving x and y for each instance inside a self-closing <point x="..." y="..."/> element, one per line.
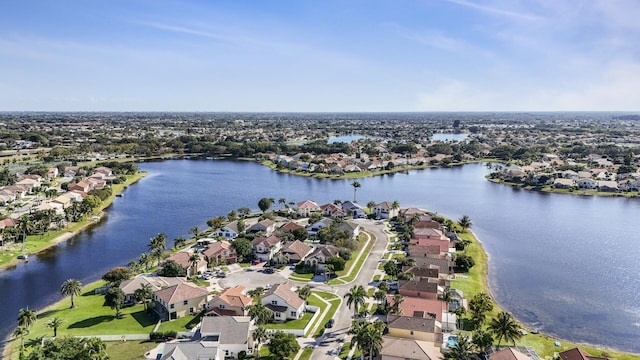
<point x="306" y="208"/>
<point x="445" y="266"/>
<point x="179" y="300"/>
<point x="426" y="308"/>
<point x="220" y="252"/>
<point x="586" y="183"/>
<point x="394" y="348"/>
<point x="230" y="302"/>
<point x="579" y="354"/>
<point x="385" y="210"/>
<point x="356" y="210"/>
<point x="80" y="186"/>
<point x="415" y="250"/>
<point x="563" y="183"/>
<point x="408" y="327"/>
<point x="423" y="287"/>
<point x="508" y="353"/>
<point x="284" y="303"/>
<point x="264" y="248"/>
<point x="608" y="185"/>
<point x="229" y="231"/>
<point x="155" y="282"/>
<point x="266" y="226"/>
<point x="183" y="258"/>
<point x="332" y="210"/>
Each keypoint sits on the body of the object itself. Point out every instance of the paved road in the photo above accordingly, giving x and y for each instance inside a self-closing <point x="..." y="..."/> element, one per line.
<point x="330" y="340"/>
<point x="325" y="346"/>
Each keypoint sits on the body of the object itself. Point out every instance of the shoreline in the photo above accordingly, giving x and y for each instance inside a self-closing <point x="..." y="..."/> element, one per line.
<point x="593" y="349"/>
<point x="84" y="224"/>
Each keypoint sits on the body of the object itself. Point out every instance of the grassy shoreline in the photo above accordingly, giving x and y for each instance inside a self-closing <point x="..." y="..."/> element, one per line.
<point x="548" y="189"/>
<point x="37" y="243"/>
<point x="477" y="280"/>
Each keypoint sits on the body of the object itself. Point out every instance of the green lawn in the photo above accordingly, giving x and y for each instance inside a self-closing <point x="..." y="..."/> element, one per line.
<point x="119" y="350"/>
<point x="301" y="277"/>
<point x="182" y="324"/>
<point x="292" y="324"/>
<point x="90" y="318"/>
<point x="352" y="267"/>
<point x="306" y="353"/>
<point x="334" y="302"/>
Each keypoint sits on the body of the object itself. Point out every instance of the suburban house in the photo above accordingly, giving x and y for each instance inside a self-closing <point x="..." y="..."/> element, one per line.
<point x="222" y="337"/>
<point x="307" y="207"/>
<point x="355" y="209"/>
<point x="155" y="282"/>
<point x="445" y="266"/>
<point x="579" y="354"/>
<point x="63" y="200"/>
<point x="563" y="183"/>
<point x="426" y="288"/>
<point x="266" y="226"/>
<point x="52" y="172"/>
<point x="608" y="185"/>
<point x="81" y="186"/>
<point x="332" y="210"/>
<point x="408" y="327"/>
<point x="264" y="248"/>
<point x="220" y="252"/>
<point x="295" y="251"/>
<point x="385" y="210"/>
<point x="445" y="246"/>
<point x="230" y="302"/>
<point x="426" y="308"/>
<point x="586" y="183"/>
<point x="290" y="226"/>
<point x="284" y="303"/>
<point x="183" y="258"/>
<point x="508" y="353"/>
<point x="229" y="231"/>
<point x="428" y="233"/>
<point x="409" y="214"/>
<point x="394" y="348"/>
<point x="315" y="227"/>
<point x="179" y="300"/>
<point x="320" y="255"/>
<point x="415" y="250"/>
<point x="350" y="227"/>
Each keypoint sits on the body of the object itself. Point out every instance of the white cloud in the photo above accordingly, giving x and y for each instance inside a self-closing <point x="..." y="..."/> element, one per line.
<point x="495" y="10"/>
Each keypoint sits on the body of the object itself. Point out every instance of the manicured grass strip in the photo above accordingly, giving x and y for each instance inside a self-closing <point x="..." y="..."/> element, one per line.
<point x="298" y="324"/>
<point x="125" y="350"/>
<point x="306" y="353"/>
<point x="332" y="311"/>
<point x="182" y="324"/>
<point x="364" y="251"/>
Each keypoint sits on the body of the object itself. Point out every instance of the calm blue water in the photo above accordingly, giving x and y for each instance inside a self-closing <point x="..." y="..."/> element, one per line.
<point x="344" y="138"/>
<point x="565" y="264"/>
<point x="449" y="137"/>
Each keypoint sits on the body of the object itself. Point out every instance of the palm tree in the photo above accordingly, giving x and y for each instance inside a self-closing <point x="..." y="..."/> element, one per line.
<point x="356" y="297"/>
<point x="447" y="297"/>
<point x="21" y="331"/>
<point x="144" y="259"/>
<point x="259" y="335"/>
<point x="479" y="305"/>
<point x="379" y="296"/>
<point x="244" y="211"/>
<point x="179" y="241"/>
<point x="259" y="313"/>
<point x="144" y="294"/>
<point x="465" y="223"/>
<point x="355" y="185"/>
<point x="395" y="205"/>
<point x="97" y="349"/>
<point x="504" y="326"/>
<point x="194" y="231"/>
<point x="71" y="287"/>
<point x="55" y="323"/>
<point x="26" y="317"/>
<point x="371" y="204"/>
<point x="304" y="292"/>
<point x="367" y="336"/>
<point x="256" y="293"/>
<point x="282" y="202"/>
<point x="193" y="260"/>
<point x="459" y="311"/>
<point x="482" y="340"/>
<point x="463" y="350"/>
<point x="26" y="226"/>
<point x="397" y="300"/>
<point x="157" y="245"/>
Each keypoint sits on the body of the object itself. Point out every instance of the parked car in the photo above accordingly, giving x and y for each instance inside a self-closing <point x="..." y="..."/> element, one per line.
<point x="267" y="287"/>
<point x="269" y="271"/>
<point x="329" y="323"/>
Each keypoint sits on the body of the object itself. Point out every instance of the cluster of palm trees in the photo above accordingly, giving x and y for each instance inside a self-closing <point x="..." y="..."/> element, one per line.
<point x="26" y="318"/>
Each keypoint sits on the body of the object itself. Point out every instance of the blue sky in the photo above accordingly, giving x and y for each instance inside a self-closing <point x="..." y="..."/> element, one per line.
<point x="320" y="55"/>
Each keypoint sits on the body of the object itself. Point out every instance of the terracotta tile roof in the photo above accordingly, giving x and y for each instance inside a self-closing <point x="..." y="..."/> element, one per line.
<point x="266" y="241"/>
<point x="289" y="226"/>
<point x="419" y="307"/>
<point x="308" y="204"/>
<point x="234" y="296"/>
<point x="216" y="248"/>
<point x="579" y="354"/>
<point x="508" y="354"/>
<point x="417" y="250"/>
<point x="181" y="258"/>
<point x="180" y="292"/>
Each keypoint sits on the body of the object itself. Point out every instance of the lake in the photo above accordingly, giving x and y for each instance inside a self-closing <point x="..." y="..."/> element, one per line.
<point x="564" y="264"/>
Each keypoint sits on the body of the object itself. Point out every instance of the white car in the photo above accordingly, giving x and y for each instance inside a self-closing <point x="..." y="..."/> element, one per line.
<point x="267" y="287"/>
